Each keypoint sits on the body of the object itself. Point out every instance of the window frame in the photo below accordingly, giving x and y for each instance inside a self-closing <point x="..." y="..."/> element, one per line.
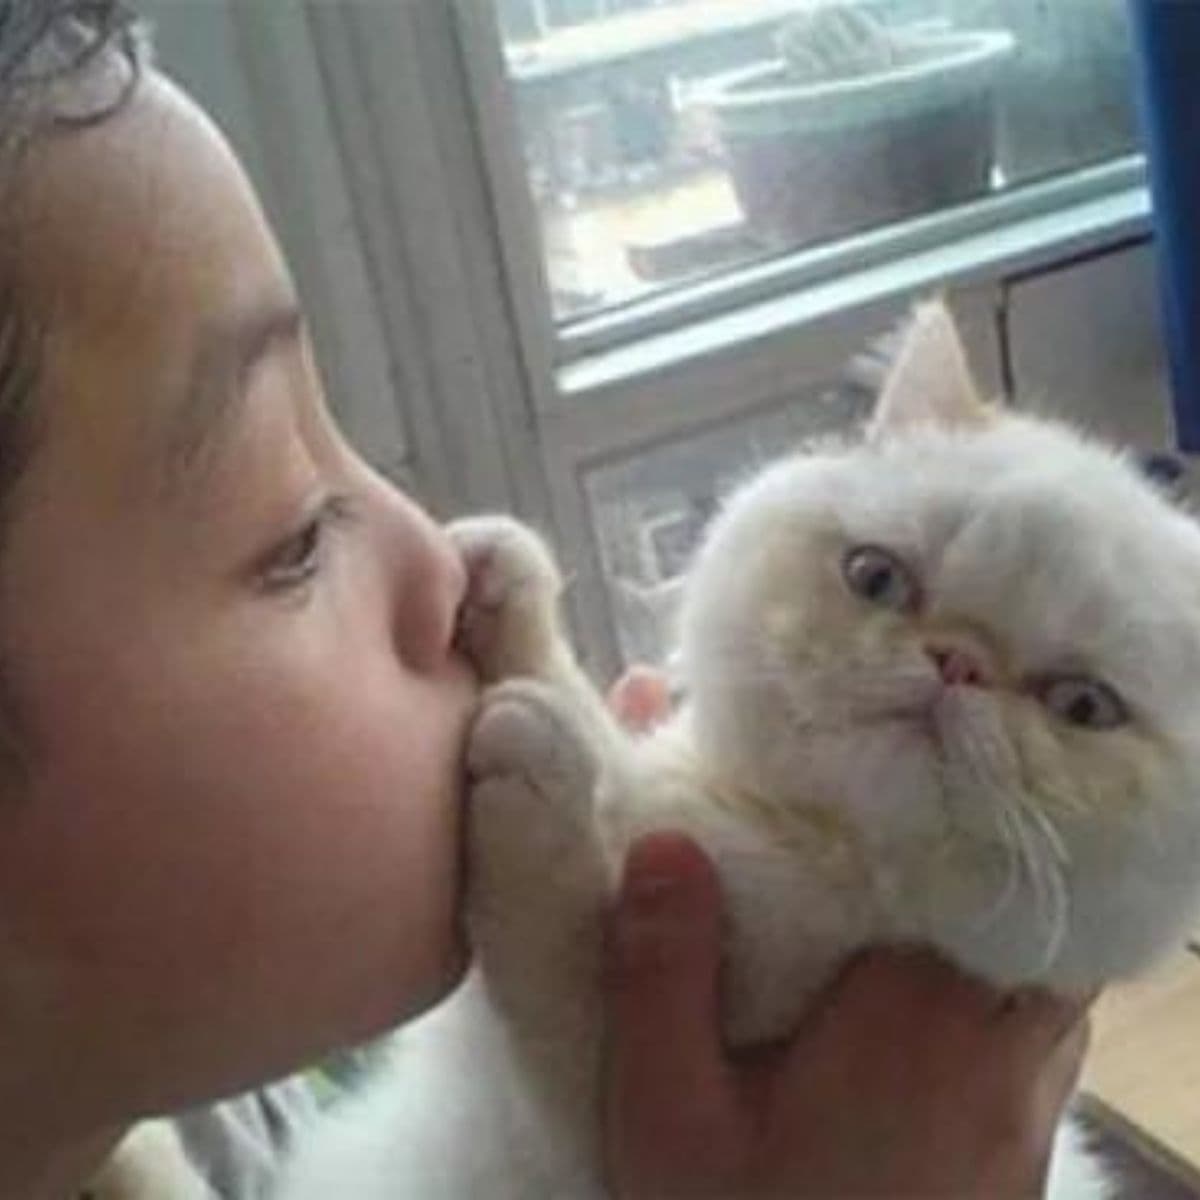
<point x="503" y="411"/>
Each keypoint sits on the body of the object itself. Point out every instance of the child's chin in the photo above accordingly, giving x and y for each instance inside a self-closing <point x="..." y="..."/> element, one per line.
<point x="453" y="969"/>
<point x="456" y="967"/>
<point x="393" y="1006"/>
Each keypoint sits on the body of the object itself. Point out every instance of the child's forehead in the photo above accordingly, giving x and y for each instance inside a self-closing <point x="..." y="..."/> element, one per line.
<point x="150" y="208"/>
<point x="135" y="237"/>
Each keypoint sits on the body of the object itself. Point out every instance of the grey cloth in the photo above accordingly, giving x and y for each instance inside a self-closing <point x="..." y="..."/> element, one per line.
<point x="237" y="1145"/>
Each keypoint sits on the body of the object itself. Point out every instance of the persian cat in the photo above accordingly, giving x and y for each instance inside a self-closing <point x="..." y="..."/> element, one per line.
<point x="940" y="687"/>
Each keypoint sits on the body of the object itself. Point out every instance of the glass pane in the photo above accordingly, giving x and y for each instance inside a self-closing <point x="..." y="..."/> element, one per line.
<point x="650" y="510"/>
<point x="668" y="139"/>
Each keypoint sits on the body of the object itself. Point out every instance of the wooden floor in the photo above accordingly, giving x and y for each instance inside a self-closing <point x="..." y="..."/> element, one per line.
<point x="1144" y="1065"/>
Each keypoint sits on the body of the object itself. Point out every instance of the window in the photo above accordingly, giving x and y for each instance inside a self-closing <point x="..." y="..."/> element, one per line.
<point x="412" y="151"/>
<point x="668" y="140"/>
<point x="650" y="509"/>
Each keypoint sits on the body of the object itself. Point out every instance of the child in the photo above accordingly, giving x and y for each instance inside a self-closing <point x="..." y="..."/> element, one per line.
<point x="234" y="713"/>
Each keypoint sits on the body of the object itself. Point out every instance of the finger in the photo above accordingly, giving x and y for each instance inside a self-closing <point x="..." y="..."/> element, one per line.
<point x="640" y="699"/>
<point x="664" y="958"/>
<point x="1038" y="1020"/>
<point x="1038" y="1102"/>
<point x="1060" y="1074"/>
<point x="908" y="982"/>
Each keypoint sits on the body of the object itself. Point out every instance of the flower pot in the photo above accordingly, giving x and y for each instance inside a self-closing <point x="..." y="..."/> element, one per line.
<point x="813" y="161"/>
<point x="1067" y="98"/>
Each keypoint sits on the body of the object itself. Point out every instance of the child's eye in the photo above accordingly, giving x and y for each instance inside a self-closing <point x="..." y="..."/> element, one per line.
<point x="298" y="559"/>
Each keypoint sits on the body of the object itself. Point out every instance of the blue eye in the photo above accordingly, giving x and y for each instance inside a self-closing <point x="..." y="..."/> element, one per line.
<point x="879" y="577"/>
<point x="1084" y="702"/>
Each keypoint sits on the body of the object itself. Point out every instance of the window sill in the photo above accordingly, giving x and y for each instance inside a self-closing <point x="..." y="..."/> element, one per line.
<point x="1028" y="244"/>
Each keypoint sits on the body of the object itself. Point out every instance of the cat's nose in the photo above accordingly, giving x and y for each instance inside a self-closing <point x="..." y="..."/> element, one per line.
<point x="960" y="667"/>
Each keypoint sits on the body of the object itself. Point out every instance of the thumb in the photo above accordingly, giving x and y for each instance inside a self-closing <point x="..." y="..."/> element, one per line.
<point x="665" y="1058"/>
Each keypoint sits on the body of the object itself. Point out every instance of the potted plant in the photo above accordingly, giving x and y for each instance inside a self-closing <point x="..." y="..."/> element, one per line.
<point x="857" y="124"/>
<point x="1067" y="98"/>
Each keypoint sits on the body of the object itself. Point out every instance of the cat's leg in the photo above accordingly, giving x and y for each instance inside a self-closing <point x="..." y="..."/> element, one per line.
<point x="537" y="879"/>
<point x="536" y="894"/>
<point x="535" y="754"/>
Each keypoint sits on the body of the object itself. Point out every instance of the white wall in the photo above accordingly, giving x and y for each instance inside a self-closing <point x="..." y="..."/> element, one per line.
<point x="229" y="57"/>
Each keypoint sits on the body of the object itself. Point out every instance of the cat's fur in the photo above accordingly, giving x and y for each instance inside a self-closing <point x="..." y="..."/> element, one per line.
<point x="149" y="1164"/>
<point x="845" y="792"/>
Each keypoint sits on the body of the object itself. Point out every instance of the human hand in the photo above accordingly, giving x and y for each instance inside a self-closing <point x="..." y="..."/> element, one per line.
<point x="904" y="1079"/>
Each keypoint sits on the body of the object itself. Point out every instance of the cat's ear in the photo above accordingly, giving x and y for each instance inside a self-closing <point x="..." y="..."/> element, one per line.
<point x="931" y="382"/>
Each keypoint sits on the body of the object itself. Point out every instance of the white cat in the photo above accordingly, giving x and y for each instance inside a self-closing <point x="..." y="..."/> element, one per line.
<point x="941" y="686"/>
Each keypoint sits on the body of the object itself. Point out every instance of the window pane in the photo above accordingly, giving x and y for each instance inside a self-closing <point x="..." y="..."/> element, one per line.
<point x="649" y="510"/>
<point x="668" y="139"/>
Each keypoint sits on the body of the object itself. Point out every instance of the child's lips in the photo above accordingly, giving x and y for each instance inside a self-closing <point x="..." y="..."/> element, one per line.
<point x="459" y="642"/>
<point x="459" y="596"/>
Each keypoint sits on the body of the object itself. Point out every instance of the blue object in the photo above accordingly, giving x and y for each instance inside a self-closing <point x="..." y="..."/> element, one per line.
<point x="1167" y="38"/>
<point x="1164" y="469"/>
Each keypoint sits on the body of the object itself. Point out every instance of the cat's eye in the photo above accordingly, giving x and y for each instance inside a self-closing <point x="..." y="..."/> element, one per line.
<point x="1085" y="702"/>
<point x="880" y="577"/>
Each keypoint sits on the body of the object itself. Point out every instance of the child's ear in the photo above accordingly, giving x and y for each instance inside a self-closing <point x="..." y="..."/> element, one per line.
<point x="931" y="382"/>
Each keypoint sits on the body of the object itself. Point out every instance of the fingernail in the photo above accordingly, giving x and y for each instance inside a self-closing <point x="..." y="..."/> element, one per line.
<point x="648" y="922"/>
<point x="648" y="892"/>
<point x="657" y="869"/>
<point x="664" y="907"/>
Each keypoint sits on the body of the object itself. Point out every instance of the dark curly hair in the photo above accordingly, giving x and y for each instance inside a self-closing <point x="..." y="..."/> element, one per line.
<point x="62" y="63"/>
<point x="49" y="50"/>
<point x="47" y="45"/>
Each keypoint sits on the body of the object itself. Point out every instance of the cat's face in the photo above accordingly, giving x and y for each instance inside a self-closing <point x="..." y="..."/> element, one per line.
<point x="974" y="637"/>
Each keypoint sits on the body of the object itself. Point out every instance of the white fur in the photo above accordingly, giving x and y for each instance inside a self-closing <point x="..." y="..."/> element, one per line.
<point x="149" y="1164"/>
<point x="845" y="794"/>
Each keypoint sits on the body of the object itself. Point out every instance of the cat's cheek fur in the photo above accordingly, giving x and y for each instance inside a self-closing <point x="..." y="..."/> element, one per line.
<point x="1125" y="807"/>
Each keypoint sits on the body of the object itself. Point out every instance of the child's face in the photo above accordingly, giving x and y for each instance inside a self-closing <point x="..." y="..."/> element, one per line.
<point x="232" y="641"/>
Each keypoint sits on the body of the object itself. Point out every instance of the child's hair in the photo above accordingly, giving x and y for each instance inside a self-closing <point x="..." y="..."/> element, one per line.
<point x="63" y="63"/>
<point x="49" y="49"/>
<point x="43" y="41"/>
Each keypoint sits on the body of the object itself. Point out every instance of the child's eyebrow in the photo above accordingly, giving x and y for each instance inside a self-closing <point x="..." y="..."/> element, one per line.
<point x="226" y="352"/>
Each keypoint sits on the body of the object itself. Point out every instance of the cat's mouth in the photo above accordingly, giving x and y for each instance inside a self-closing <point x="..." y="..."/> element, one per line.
<point x="946" y="720"/>
<point x="917" y="709"/>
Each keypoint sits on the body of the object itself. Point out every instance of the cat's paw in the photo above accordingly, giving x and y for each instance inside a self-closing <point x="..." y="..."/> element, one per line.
<point x="532" y="773"/>
<point x="536" y="875"/>
<point x="530" y="731"/>
<point x="508" y="622"/>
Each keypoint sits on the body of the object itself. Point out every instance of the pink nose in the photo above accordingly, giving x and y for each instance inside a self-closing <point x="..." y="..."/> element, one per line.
<point x="958" y="667"/>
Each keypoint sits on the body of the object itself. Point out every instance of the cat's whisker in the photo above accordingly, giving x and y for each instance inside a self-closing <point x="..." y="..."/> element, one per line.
<point x="1028" y="858"/>
<point x="1062" y="856"/>
<point x="1037" y="848"/>
<point x="1012" y="871"/>
<point x="978" y="766"/>
<point x="1059" y="860"/>
<point x="1040" y="881"/>
<point x="1046" y="856"/>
